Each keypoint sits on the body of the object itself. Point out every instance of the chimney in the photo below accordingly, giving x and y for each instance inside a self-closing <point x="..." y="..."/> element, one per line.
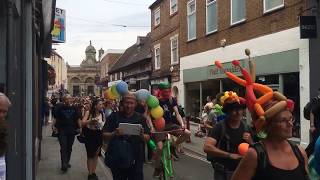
<point x="101" y="52"/>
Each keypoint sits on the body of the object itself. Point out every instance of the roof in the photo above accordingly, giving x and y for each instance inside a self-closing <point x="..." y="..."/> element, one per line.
<point x="112" y="51"/>
<point x="155" y="4"/>
<point x="134" y="54"/>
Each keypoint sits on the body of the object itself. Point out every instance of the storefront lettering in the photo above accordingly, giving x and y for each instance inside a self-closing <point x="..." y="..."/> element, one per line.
<point x="214" y="71"/>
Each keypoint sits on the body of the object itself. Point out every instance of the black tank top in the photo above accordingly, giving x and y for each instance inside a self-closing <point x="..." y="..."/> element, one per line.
<point x="274" y="173"/>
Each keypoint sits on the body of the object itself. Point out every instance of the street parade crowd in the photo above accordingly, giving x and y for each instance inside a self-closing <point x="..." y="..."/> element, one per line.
<point x="128" y="124"/>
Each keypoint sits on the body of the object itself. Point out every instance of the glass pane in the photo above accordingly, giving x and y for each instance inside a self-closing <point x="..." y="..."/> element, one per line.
<point x="212" y="17"/>
<point x="238" y="10"/>
<point x="191" y="7"/>
<point x="192" y="26"/>
<point x="272" y="4"/>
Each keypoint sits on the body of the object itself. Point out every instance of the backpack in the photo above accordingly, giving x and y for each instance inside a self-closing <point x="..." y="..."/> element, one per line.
<point x="308" y="107"/>
<point x="120" y="153"/>
<point x="223" y="135"/>
<point x="262" y="159"/>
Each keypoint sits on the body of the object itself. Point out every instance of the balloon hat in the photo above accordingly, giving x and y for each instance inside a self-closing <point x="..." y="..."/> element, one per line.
<point x="230" y="100"/>
<point x="254" y="104"/>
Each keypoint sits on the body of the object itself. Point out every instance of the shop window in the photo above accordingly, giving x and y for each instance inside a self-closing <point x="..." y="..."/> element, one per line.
<point x="271" y="5"/>
<point x="212" y="16"/>
<point x="238" y="11"/>
<point x="192" y="25"/>
<point x="157" y="16"/>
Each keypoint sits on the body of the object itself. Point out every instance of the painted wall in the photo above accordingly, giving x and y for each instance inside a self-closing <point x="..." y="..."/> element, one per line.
<point x="277" y="42"/>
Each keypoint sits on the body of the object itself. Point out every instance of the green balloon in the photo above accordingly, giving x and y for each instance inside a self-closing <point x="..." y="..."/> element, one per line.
<point x="152" y="102"/>
<point x="114" y="90"/>
<point x="152" y="145"/>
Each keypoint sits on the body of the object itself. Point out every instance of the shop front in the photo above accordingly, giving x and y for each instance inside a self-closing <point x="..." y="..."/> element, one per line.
<point x="280" y="71"/>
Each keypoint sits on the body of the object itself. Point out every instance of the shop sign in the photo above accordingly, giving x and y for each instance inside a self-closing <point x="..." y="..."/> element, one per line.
<point x="59" y="26"/>
<point x="308" y="27"/>
<point x="216" y="73"/>
<point x="158" y="81"/>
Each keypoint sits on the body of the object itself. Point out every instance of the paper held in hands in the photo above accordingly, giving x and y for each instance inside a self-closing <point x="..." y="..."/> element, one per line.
<point x="130" y="129"/>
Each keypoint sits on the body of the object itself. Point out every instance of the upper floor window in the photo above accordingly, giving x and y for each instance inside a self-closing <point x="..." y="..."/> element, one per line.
<point x="212" y="16"/>
<point x="238" y="11"/>
<point x="270" y="5"/>
<point x="192" y="24"/>
<point x="157" y="16"/>
<point x="121" y="75"/>
<point x="174" y="50"/>
<point x="173" y="6"/>
<point x="157" y="60"/>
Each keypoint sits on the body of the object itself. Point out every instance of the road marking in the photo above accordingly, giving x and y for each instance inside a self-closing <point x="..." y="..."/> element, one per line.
<point x="197" y="157"/>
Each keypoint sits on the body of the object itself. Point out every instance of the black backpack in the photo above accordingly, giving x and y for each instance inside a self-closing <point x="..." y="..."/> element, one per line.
<point x="262" y="160"/>
<point x="223" y="135"/>
<point x="308" y="107"/>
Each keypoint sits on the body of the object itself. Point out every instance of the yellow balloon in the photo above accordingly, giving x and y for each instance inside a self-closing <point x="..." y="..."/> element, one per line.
<point x="157" y="112"/>
<point x="111" y="95"/>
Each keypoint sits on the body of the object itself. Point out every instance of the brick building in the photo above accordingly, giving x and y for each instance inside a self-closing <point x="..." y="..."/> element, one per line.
<point x="134" y="65"/>
<point x="106" y="61"/>
<point x="165" y="43"/>
<point x="216" y="29"/>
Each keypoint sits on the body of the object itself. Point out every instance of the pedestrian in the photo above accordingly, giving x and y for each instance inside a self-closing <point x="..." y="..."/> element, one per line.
<point x="67" y="125"/>
<point x="92" y="124"/>
<point x="222" y="143"/>
<point x="275" y="157"/>
<point x="4" y="107"/>
<point x="170" y="108"/>
<point x="314" y="123"/>
<point x="124" y="155"/>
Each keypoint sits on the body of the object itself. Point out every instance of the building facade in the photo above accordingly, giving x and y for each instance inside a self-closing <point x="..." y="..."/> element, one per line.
<point x="25" y="40"/>
<point x="222" y="30"/>
<point x="134" y="65"/>
<point x="82" y="80"/>
<point x="165" y="23"/>
<point x="107" y="60"/>
<point x="58" y="64"/>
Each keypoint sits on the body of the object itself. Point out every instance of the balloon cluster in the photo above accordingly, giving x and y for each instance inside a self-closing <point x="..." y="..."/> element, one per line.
<point x="253" y="103"/>
<point x="117" y="90"/>
<point x="153" y="104"/>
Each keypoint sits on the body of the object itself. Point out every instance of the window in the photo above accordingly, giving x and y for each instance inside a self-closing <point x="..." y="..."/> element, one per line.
<point x="173" y="6"/>
<point x="157" y="16"/>
<point x="238" y="11"/>
<point x="192" y="26"/>
<point x="157" y="61"/>
<point x="111" y="76"/>
<point x="174" y="50"/>
<point x="121" y="75"/>
<point x="116" y="76"/>
<point x="107" y="69"/>
<point x="270" y="5"/>
<point x="212" y="16"/>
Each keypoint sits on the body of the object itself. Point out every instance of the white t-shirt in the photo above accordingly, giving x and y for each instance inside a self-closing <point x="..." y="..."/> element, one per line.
<point x="2" y="168"/>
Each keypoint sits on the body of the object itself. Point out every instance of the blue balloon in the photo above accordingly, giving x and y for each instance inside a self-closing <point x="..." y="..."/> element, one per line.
<point x="317" y="155"/>
<point x="142" y="94"/>
<point x="122" y="88"/>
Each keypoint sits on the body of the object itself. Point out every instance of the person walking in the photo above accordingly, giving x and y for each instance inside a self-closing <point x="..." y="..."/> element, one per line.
<point x="222" y="143"/>
<point x="92" y="124"/>
<point x="275" y="157"/>
<point x="67" y="125"/>
<point x="4" y="107"/>
<point x="124" y="155"/>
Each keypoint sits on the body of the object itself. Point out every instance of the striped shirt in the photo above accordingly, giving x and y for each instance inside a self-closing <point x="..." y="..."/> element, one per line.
<point x="2" y="168"/>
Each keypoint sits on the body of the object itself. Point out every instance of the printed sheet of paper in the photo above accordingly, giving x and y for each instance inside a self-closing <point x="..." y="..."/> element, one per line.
<point x="130" y="129"/>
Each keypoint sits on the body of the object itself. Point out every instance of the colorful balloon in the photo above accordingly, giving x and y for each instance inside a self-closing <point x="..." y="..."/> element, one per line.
<point x="152" y="101"/>
<point x="157" y="112"/>
<point x="142" y="94"/>
<point x="114" y="90"/>
<point x="243" y="148"/>
<point x="159" y="124"/>
<point x="122" y="88"/>
<point x="110" y="95"/>
<point x="152" y="145"/>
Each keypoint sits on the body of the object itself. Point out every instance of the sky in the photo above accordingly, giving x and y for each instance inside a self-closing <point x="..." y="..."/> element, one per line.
<point x="98" y="20"/>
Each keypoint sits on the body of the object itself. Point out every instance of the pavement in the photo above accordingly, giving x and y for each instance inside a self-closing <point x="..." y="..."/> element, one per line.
<point x="49" y="165"/>
<point x="196" y="144"/>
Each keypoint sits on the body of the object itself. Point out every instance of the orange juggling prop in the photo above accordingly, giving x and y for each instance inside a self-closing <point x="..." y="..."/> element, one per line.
<point x="243" y="148"/>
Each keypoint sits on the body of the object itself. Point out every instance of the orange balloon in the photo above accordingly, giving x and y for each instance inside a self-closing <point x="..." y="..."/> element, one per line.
<point x="262" y="88"/>
<point x="263" y="99"/>
<point x="243" y="148"/>
<point x="159" y="124"/>
<point x="236" y="79"/>
<point x="259" y="110"/>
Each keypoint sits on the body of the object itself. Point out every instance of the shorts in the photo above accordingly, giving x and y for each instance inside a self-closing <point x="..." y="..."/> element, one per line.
<point x="168" y="127"/>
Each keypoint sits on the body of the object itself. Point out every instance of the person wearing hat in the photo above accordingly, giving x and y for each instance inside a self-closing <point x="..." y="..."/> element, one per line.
<point x="275" y="157"/>
<point x="124" y="155"/>
<point x="222" y="143"/>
